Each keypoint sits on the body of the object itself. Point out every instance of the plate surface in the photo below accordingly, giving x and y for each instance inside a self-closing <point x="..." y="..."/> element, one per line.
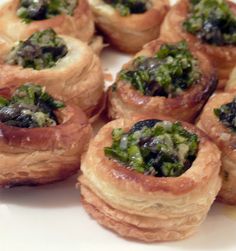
<point x="51" y="218"/>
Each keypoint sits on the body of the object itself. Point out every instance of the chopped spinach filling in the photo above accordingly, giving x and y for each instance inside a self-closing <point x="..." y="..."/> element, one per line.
<point x="40" y="51"/>
<point x="212" y="21"/>
<point x="153" y="147"/>
<point x="227" y="114"/>
<point x="127" y="7"/>
<point x="171" y="71"/>
<point x="30" y="10"/>
<point x="30" y="106"/>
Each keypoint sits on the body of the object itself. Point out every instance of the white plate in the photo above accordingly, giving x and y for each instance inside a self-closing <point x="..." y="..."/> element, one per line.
<point x="51" y="218"/>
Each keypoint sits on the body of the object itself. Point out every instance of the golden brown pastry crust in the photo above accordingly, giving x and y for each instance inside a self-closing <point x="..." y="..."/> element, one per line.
<point x="223" y="57"/>
<point x="32" y="156"/>
<point x="226" y="141"/>
<point x="77" y="77"/>
<point x="144" y="207"/>
<point x="80" y="25"/>
<point x="125" y="101"/>
<point x="130" y="33"/>
<point x="231" y="84"/>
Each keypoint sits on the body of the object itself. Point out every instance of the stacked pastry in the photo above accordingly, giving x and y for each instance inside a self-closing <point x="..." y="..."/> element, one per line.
<point x="148" y="175"/>
<point x="51" y="89"/>
<point x="128" y="25"/>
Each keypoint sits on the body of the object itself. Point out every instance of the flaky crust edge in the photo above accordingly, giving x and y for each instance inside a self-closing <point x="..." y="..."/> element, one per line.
<point x="129" y="34"/>
<point x="125" y="101"/>
<point x="77" y="77"/>
<point x="226" y="141"/>
<point x="126" y="201"/>
<point x="223" y="57"/>
<point x="33" y="156"/>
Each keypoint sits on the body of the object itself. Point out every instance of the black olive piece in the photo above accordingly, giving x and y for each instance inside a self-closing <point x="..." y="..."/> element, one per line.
<point x="9" y="113"/>
<point x="211" y="33"/>
<point x="37" y="11"/>
<point x="138" y="7"/>
<point x="139" y="125"/>
<point x="55" y="51"/>
<point x="154" y="89"/>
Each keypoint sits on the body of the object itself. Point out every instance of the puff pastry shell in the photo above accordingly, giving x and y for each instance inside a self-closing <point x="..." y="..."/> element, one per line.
<point x="226" y="141"/>
<point x="125" y="101"/>
<point x="79" y="25"/>
<point x="33" y="156"/>
<point x="223" y="57"/>
<point x="143" y="207"/>
<point x="129" y="33"/>
<point x="77" y="77"/>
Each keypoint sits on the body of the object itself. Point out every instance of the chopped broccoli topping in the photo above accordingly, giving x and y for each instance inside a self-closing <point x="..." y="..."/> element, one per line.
<point x="30" y="10"/>
<point x="30" y="106"/>
<point x="127" y="7"/>
<point x="40" y="51"/>
<point x="171" y="71"/>
<point x="212" y="21"/>
<point x="227" y="114"/>
<point x="153" y="147"/>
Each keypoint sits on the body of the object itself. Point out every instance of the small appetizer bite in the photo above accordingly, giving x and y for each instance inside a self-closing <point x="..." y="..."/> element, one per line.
<point x="163" y="79"/>
<point x="128" y="25"/>
<point x="66" y="66"/>
<point x="210" y="24"/>
<point x="42" y="139"/>
<point x="149" y="179"/>
<point x="20" y="18"/>
<point x="218" y="120"/>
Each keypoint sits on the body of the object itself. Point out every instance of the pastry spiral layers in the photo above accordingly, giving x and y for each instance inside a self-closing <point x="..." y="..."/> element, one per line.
<point x="76" y="77"/>
<point x="144" y="207"/>
<point x="80" y="24"/>
<point x="34" y="156"/>
<point x="225" y="138"/>
<point x="125" y="101"/>
<point x="223" y="57"/>
<point x="129" y="33"/>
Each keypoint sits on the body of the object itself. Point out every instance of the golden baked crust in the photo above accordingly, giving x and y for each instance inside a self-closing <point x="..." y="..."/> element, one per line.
<point x="77" y="77"/>
<point x="231" y="84"/>
<point x="130" y="33"/>
<point x="143" y="207"/>
<point x="32" y="156"/>
<point x="223" y="57"/>
<point x="125" y="101"/>
<point x="226" y="141"/>
<point x="80" y="25"/>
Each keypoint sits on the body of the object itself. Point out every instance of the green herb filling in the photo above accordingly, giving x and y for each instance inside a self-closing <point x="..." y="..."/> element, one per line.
<point x="127" y="7"/>
<point x="30" y="10"/>
<point x="227" y="114"/>
<point x="212" y="21"/>
<point x="171" y="71"/>
<point x="30" y="106"/>
<point x="153" y="147"/>
<point x="40" y="51"/>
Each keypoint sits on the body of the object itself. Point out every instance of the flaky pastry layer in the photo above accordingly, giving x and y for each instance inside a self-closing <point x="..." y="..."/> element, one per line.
<point x="225" y="138"/>
<point x="223" y="57"/>
<point x="143" y="207"/>
<point x="33" y="156"/>
<point x="79" y="25"/>
<point x="129" y="33"/>
<point x="125" y="101"/>
<point x="76" y="77"/>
